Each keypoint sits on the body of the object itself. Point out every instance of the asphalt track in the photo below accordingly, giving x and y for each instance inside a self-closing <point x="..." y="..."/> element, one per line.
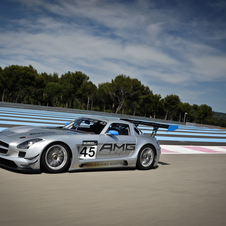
<point x="185" y="189"/>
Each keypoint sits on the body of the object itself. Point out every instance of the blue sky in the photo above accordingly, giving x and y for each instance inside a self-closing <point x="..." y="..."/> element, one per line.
<point x="172" y="46"/>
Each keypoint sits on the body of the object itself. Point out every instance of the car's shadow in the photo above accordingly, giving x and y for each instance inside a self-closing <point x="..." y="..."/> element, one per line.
<point x="73" y="171"/>
<point x="86" y="170"/>
<point x="20" y="171"/>
<point x="163" y="163"/>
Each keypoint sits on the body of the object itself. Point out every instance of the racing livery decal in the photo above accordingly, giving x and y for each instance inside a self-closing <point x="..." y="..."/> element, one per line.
<point x="116" y="147"/>
<point x="89" y="142"/>
<point x="88" y="152"/>
<point x="102" y="164"/>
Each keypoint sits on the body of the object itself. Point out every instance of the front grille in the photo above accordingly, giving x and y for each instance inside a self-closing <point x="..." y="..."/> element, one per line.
<point x="3" y="151"/>
<point x="4" y="144"/>
<point x="8" y="163"/>
<point x="21" y="154"/>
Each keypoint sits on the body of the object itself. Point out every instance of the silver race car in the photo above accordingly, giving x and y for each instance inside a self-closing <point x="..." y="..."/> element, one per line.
<point x="88" y="142"/>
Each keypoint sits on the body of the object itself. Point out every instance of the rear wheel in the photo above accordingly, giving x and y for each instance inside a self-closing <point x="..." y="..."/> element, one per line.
<point x="55" y="158"/>
<point x="146" y="158"/>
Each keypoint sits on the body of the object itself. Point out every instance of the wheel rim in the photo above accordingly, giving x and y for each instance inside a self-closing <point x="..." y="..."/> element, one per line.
<point x="56" y="157"/>
<point x="147" y="157"/>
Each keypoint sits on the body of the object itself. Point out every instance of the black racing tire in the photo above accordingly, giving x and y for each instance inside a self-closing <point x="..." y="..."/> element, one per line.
<point x="55" y="158"/>
<point x="146" y="158"/>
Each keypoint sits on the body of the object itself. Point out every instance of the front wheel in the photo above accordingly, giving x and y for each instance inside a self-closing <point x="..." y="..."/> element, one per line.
<point x="146" y="158"/>
<point x="55" y="158"/>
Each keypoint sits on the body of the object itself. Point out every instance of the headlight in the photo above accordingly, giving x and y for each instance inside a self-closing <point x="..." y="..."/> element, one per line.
<point x="28" y="143"/>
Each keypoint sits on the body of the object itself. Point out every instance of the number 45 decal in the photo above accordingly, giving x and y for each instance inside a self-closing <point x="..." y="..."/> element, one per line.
<point x="88" y="152"/>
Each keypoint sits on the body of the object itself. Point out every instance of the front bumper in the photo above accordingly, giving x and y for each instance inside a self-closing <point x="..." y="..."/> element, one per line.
<point x="20" y="164"/>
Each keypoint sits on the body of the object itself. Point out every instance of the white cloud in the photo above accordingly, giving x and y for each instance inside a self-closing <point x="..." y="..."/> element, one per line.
<point x="210" y="67"/>
<point x="105" y="38"/>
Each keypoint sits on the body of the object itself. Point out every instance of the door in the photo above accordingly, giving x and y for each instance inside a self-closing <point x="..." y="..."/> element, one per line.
<point x="116" y="146"/>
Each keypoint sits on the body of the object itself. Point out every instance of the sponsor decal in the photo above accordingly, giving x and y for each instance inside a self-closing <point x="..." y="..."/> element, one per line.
<point x="114" y="147"/>
<point x="117" y="149"/>
<point x="103" y="164"/>
<point x="42" y="133"/>
<point x="89" y="142"/>
<point x="24" y="137"/>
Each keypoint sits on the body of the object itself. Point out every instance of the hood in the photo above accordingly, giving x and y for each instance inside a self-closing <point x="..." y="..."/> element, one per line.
<point x="33" y="131"/>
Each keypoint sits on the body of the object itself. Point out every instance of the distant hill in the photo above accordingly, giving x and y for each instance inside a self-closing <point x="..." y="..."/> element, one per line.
<point x="219" y="115"/>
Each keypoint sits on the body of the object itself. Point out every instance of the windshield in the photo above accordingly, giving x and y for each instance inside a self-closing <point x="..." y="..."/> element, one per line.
<point x="86" y="125"/>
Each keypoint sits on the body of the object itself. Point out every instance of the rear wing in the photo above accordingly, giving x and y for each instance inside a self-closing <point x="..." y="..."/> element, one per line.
<point x="155" y="125"/>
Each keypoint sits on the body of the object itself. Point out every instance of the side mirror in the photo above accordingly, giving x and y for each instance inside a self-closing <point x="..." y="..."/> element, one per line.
<point x="112" y="132"/>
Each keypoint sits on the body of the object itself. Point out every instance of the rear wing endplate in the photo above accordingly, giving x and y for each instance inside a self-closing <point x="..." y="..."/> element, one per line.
<point x="155" y="125"/>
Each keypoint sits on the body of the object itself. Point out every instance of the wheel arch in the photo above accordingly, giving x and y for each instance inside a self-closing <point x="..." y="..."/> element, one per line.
<point x="52" y="143"/>
<point x="149" y="144"/>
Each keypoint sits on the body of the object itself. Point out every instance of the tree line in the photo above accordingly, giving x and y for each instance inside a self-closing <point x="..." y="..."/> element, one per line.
<point x="123" y="95"/>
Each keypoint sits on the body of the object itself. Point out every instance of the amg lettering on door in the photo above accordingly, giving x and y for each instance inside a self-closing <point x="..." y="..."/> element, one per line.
<point x="118" y="147"/>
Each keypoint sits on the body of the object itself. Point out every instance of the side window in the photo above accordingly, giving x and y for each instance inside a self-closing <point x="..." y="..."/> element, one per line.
<point x="92" y="126"/>
<point x="123" y="129"/>
<point x="137" y="131"/>
<point x="87" y="125"/>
